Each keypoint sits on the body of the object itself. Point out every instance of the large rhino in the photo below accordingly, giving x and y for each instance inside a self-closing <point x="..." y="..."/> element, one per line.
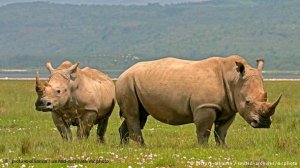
<point x="79" y="97"/>
<point x="205" y="92"/>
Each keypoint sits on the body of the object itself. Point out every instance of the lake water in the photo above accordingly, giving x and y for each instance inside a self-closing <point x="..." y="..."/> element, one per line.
<point x="29" y="74"/>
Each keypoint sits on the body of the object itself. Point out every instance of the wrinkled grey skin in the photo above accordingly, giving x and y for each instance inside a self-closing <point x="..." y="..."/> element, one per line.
<point x="207" y="92"/>
<point x="79" y="97"/>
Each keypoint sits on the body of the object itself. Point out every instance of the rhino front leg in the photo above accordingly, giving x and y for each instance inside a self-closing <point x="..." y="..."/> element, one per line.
<point x="63" y="127"/>
<point x="221" y="128"/>
<point x="86" y="123"/>
<point x="204" y="119"/>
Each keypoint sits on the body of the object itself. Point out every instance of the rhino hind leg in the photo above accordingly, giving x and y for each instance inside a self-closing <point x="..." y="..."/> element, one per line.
<point x="136" y="134"/>
<point x="124" y="133"/>
<point x="204" y="119"/>
<point x="132" y="110"/>
<point x="143" y="117"/>
<point x="102" y="125"/>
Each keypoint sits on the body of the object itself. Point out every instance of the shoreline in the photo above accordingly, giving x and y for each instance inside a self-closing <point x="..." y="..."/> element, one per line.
<point x="114" y="79"/>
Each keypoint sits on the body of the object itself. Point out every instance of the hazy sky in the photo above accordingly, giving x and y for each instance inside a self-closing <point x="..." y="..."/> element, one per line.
<point x="109" y="2"/>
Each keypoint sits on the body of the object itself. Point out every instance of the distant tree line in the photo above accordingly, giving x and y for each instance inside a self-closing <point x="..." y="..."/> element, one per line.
<point x="115" y="37"/>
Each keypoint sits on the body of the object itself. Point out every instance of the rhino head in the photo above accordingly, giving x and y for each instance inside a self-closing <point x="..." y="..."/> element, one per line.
<point x="55" y="93"/>
<point x="252" y="101"/>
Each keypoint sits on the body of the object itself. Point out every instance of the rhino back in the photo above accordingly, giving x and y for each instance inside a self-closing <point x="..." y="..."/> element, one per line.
<point x="96" y="91"/>
<point x="170" y="89"/>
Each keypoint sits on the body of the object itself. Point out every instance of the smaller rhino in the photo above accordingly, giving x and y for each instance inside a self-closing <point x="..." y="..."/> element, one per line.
<point x="78" y="97"/>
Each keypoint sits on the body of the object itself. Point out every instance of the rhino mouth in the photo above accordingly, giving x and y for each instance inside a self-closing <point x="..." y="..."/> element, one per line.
<point x="262" y="123"/>
<point x="43" y="108"/>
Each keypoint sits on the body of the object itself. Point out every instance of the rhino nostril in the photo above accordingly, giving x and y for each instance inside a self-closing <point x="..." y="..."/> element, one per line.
<point x="254" y="123"/>
<point x="48" y="104"/>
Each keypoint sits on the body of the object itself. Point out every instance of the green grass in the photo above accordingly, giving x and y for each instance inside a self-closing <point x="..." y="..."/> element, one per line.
<point x="28" y="135"/>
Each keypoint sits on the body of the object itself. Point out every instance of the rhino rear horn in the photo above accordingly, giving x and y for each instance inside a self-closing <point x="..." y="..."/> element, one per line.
<point x="260" y="64"/>
<point x="49" y="67"/>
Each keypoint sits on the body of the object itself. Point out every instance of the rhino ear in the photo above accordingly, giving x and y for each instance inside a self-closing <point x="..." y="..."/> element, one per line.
<point x="240" y="68"/>
<point x="72" y="70"/>
<point x="260" y="64"/>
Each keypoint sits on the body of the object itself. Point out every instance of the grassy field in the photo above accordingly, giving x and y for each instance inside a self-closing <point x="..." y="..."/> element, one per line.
<point x="30" y="136"/>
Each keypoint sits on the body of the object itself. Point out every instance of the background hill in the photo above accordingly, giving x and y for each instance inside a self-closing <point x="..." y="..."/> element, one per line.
<point x="114" y="37"/>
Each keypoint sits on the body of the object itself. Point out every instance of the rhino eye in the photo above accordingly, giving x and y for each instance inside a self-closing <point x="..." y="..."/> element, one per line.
<point x="58" y="91"/>
<point x="248" y="101"/>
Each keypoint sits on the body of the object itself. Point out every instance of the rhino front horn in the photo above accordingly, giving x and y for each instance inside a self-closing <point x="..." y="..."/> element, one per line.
<point x="272" y="107"/>
<point x="37" y="79"/>
<point x="37" y="82"/>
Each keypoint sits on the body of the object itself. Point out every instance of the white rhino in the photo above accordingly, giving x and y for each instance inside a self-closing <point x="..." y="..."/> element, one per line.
<point x="205" y="92"/>
<point x="79" y="97"/>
